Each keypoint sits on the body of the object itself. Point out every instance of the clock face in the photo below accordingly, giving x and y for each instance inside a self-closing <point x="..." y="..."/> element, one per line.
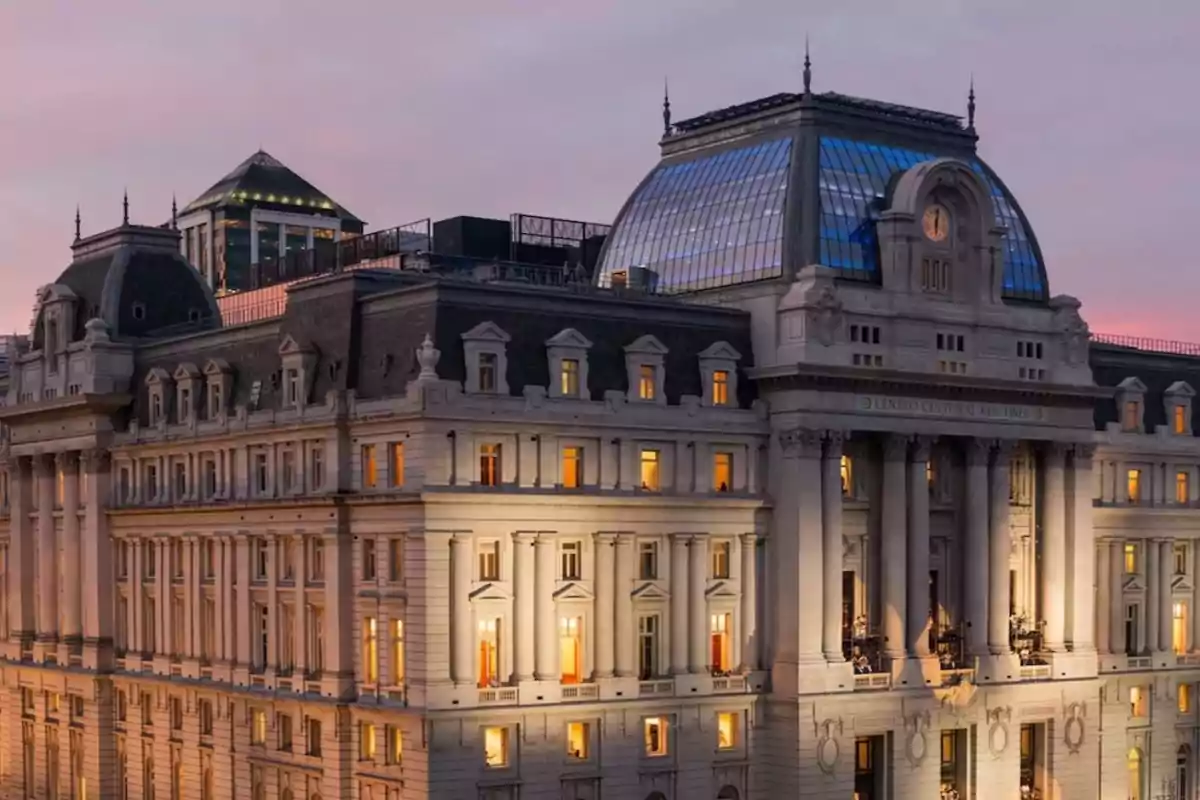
<point x="936" y="223"/>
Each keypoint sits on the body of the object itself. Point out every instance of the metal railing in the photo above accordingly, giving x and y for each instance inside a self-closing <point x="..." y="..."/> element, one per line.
<point x="1147" y="343"/>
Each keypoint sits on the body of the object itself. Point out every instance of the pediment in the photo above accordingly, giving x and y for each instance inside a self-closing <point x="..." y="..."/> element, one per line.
<point x="486" y="332"/>
<point x="289" y="346"/>
<point x="56" y="292"/>
<point x="1133" y="583"/>
<point x="1132" y="384"/>
<point x="573" y="590"/>
<point x="648" y="344"/>
<point x="157" y="377"/>
<point x="649" y="591"/>
<point x="720" y="351"/>
<point x="721" y="590"/>
<point x="1180" y="389"/>
<point x="569" y="337"/>
<point x="1181" y="583"/>
<point x="186" y="371"/>
<point x="490" y="591"/>
<point x="217" y="366"/>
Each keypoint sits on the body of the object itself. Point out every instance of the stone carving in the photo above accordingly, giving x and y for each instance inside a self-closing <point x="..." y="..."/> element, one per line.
<point x="998" y="720"/>
<point x="427" y="357"/>
<point x="1075" y="332"/>
<point x="801" y="442"/>
<point x="828" y="750"/>
<point x="1073" y="729"/>
<point x="826" y="314"/>
<point x="916" y="747"/>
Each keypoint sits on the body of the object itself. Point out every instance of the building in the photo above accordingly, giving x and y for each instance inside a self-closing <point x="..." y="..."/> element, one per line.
<point x="813" y="489"/>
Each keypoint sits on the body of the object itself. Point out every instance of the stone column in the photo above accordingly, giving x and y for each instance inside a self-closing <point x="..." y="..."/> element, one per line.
<point x="1103" y="599"/>
<point x="524" y="609"/>
<point x="1116" y="607"/>
<point x="894" y="546"/>
<point x="810" y="539"/>
<point x="547" y="667"/>
<point x="72" y="623"/>
<point x="47" y="586"/>
<point x="136" y="597"/>
<point x="460" y="610"/>
<point x="1194" y="644"/>
<point x="1082" y="607"/>
<point x="749" y="629"/>
<point x="242" y="613"/>
<point x="698" y="655"/>
<point x="623" y="646"/>
<point x="21" y="608"/>
<point x="1153" y="594"/>
<point x="603" y="627"/>
<point x="299" y="601"/>
<point x="1001" y="548"/>
<point x="1166" y="616"/>
<point x="976" y="551"/>
<point x="831" y="547"/>
<point x="679" y="603"/>
<point x="920" y="614"/>
<point x="1054" y="546"/>
<point x="94" y="595"/>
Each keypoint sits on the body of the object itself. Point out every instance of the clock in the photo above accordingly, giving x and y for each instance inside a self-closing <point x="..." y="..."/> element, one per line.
<point x="936" y="223"/>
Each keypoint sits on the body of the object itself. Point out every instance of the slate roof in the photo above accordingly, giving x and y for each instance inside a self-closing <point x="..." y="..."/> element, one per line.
<point x="1112" y="364"/>
<point x="264" y="179"/>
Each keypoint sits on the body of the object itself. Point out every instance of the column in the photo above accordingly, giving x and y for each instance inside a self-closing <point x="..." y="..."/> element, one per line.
<point x="21" y="609"/>
<point x="1153" y="592"/>
<point x="72" y="623"/>
<point x="273" y="571"/>
<point x="460" y="609"/>
<point x="919" y="612"/>
<point x="523" y="602"/>
<point x="698" y="653"/>
<point x="975" y="553"/>
<point x="603" y="627"/>
<point x="94" y="594"/>
<point x="809" y="532"/>
<point x="679" y="603"/>
<point x="749" y="628"/>
<point x="136" y="597"/>
<point x="1166" y="616"/>
<point x="1194" y="611"/>
<point x="299" y="603"/>
<point x="1116" y="607"/>
<point x="47" y="586"/>
<point x="1054" y="546"/>
<point x="547" y="667"/>
<point x="1082" y="609"/>
<point x="1103" y="598"/>
<point x="894" y="546"/>
<point x="240" y="548"/>
<point x="624" y="607"/>
<point x="1001" y="549"/>
<point x="831" y="547"/>
<point x="166" y="598"/>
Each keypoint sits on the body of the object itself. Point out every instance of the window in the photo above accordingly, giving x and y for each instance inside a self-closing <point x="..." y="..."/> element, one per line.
<point x="495" y="747"/>
<point x="935" y="275"/>
<point x="647" y="382"/>
<point x="395" y="745"/>
<point x="720" y="559"/>
<point x="571" y="558"/>
<point x="313" y="734"/>
<point x="210" y="478"/>
<point x="1138" y="701"/>
<point x="369" y="567"/>
<point x="317" y="467"/>
<point x="722" y="472"/>
<point x="1180" y="552"/>
<point x="1132" y="638"/>
<point x="369" y="467"/>
<point x="156" y="407"/>
<point x="366" y="741"/>
<point x="264" y="635"/>
<point x="258" y="726"/>
<point x="650" y="471"/>
<point x="395" y="560"/>
<point x="216" y="402"/>
<point x="489" y="465"/>
<point x="261" y="474"/>
<point x="847" y="472"/>
<point x="570" y="377"/>
<point x="151" y="482"/>
<point x="1179" y="419"/>
<point x="489" y="653"/>
<point x="397" y="652"/>
<point x="487" y="372"/>
<point x="720" y="626"/>
<point x="655" y="736"/>
<point x="291" y="381"/>
<point x="727" y="730"/>
<point x="1179" y="627"/>
<point x="370" y="652"/>
<point x="284" y="723"/>
<point x="181" y="480"/>
<point x="1131" y="418"/>
<point x="489" y="561"/>
<point x="287" y="558"/>
<point x="397" y="462"/>
<point x="288" y="468"/>
<point x="260" y="558"/>
<point x="572" y="467"/>
<point x="204" y="709"/>
<point x="570" y="649"/>
<point x="316" y="639"/>
<point x="317" y="565"/>
<point x="1183" y="487"/>
<point x="648" y="647"/>
<point x="648" y="561"/>
<point x="578" y="736"/>
<point x="720" y="387"/>
<point x="1183" y="698"/>
<point x="1133" y="485"/>
<point x="1131" y="560"/>
<point x="175" y="707"/>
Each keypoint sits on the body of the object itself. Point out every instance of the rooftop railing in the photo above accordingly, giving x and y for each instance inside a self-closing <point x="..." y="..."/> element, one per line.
<point x="1149" y="344"/>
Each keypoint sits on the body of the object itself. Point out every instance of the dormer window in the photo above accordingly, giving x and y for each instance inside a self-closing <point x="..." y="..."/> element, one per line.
<point x="484" y="351"/>
<point x="1131" y="416"/>
<point x="299" y="366"/>
<point x="158" y="383"/>
<point x="291" y="382"/>
<point x="216" y="400"/>
<point x="567" y="352"/>
<point x="219" y="380"/>
<point x="187" y="382"/>
<point x="1178" y="401"/>
<point x="569" y="376"/>
<point x="645" y="370"/>
<point x="156" y="408"/>
<point x="1131" y="394"/>
<point x="718" y="374"/>
<point x="185" y="404"/>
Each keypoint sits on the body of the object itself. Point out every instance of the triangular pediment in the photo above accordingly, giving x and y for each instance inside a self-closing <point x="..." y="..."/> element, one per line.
<point x="721" y="589"/>
<point x="157" y="376"/>
<point x="569" y="337"/>
<point x="186" y="371"/>
<point x="573" y="590"/>
<point x="649" y="591"/>
<point x="289" y="346"/>
<point x="1181" y="583"/>
<point x="647" y="344"/>
<point x="216" y="366"/>
<point x="1133" y="584"/>
<point x="1180" y="389"/>
<point x="491" y="591"/>
<point x="721" y="350"/>
<point x="486" y="332"/>
<point x="1132" y="384"/>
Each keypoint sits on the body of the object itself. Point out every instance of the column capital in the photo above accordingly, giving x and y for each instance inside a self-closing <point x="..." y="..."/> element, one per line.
<point x="680" y="538"/>
<point x="749" y="539"/>
<point x="606" y="538"/>
<point x="67" y="461"/>
<point x="1055" y="453"/>
<point x="1004" y="449"/>
<point x="801" y="443"/>
<point x="834" y="442"/>
<point x="524" y="537"/>
<point x="895" y="447"/>
<point x="43" y="465"/>
<point x="622" y="540"/>
<point x="921" y="445"/>
<point x="544" y="539"/>
<point x="1084" y="451"/>
<point x="977" y="451"/>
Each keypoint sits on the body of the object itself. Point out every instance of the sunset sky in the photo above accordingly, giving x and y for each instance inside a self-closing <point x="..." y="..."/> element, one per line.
<point x="403" y="110"/>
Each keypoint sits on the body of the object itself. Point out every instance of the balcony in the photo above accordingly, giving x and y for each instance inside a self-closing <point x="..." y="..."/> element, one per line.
<point x="579" y="692"/>
<point x="663" y="688"/>
<point x="498" y="696"/>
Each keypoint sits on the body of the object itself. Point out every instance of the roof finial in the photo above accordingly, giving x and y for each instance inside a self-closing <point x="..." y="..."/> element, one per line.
<point x="666" y="108"/>
<point x="125" y="208"/>
<point x="807" y="69"/>
<point x="971" y="105"/>
<point x="174" y="214"/>
<point x="78" y="224"/>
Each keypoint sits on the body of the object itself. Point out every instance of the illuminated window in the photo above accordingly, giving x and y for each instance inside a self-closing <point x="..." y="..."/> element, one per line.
<point x="722" y="471"/>
<point x="847" y="474"/>
<point x="577" y="740"/>
<point x="1183" y="698"/>
<point x="487" y="372"/>
<point x="489" y="561"/>
<point x="397" y="462"/>
<point x="1133" y="485"/>
<point x="397" y="652"/>
<point x="366" y="741"/>
<point x="1131" y="560"/>
<point x="572" y="467"/>
<point x="650" y="471"/>
<point x="258" y="726"/>
<point x="1179" y="627"/>
<point x="495" y="747"/>
<point x="727" y="730"/>
<point x="720" y="560"/>
<point x="572" y="567"/>
<point x="863" y="755"/>
<point x="655" y="736"/>
<point x="647" y="387"/>
<point x="370" y="650"/>
<point x="1183" y="488"/>
<point x="1131" y="416"/>
<point x="395" y="745"/>
<point x="489" y="465"/>
<point x="1180" y="419"/>
<point x="1137" y="781"/>
<point x="368" y="466"/>
<point x="1138" y="701"/>
<point x="489" y="652"/>
<point x="570" y="649"/>
<point x="570" y="377"/>
<point x="648" y="561"/>
<point x="720" y="387"/>
<point x="647" y="647"/>
<point x="720" y="628"/>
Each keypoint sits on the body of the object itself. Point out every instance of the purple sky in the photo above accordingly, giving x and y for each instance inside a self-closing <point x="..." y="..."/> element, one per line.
<point x="406" y="110"/>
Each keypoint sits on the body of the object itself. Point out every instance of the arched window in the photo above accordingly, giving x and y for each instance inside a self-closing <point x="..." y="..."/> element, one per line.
<point x="728" y="793"/>
<point x="1137" y="777"/>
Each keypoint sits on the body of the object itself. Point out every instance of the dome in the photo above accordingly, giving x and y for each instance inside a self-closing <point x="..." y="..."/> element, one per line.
<point x="795" y="179"/>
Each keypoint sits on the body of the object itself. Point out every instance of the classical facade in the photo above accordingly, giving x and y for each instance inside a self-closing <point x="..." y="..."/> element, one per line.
<point x="814" y="490"/>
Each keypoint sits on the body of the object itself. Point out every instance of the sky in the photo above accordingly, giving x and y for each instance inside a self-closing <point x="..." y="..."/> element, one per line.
<point x="409" y="109"/>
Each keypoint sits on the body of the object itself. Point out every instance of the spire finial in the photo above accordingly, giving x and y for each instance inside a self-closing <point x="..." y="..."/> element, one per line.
<point x="78" y="224"/>
<point x="807" y="69"/>
<point x="971" y="105"/>
<point x="174" y="214"/>
<point x="125" y="208"/>
<point x="666" y="108"/>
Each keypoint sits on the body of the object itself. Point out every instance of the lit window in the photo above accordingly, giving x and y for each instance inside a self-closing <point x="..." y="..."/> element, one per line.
<point x="847" y="474"/>
<point x="727" y="730"/>
<point x="577" y="740"/>
<point x="571" y="649"/>
<point x="1179" y="627"/>
<point x="487" y="372"/>
<point x="395" y="745"/>
<point x="722" y="643"/>
<point x="1180" y="419"/>
<point x="571" y="558"/>
<point x="258" y="726"/>
<point x="1133" y="485"/>
<point x="368" y="466"/>
<point x="646" y="382"/>
<point x="1183" y="487"/>
<point x="720" y="559"/>
<point x="495" y="747"/>
<point x="1183" y="696"/>
<point x="489" y="561"/>
<point x="1137" y="701"/>
<point x="722" y="471"/>
<point x="489" y="652"/>
<point x="397" y="462"/>
<point x="655" y="735"/>
<point x="370" y="650"/>
<point x="1132" y="418"/>
<point x="489" y="465"/>
<point x="397" y="652"/>
<point x="1131" y="560"/>
<point x="720" y="387"/>
<point x="366" y="741"/>
<point x="650" y="471"/>
<point x="572" y="468"/>
<point x="570" y="377"/>
<point x="648" y="561"/>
